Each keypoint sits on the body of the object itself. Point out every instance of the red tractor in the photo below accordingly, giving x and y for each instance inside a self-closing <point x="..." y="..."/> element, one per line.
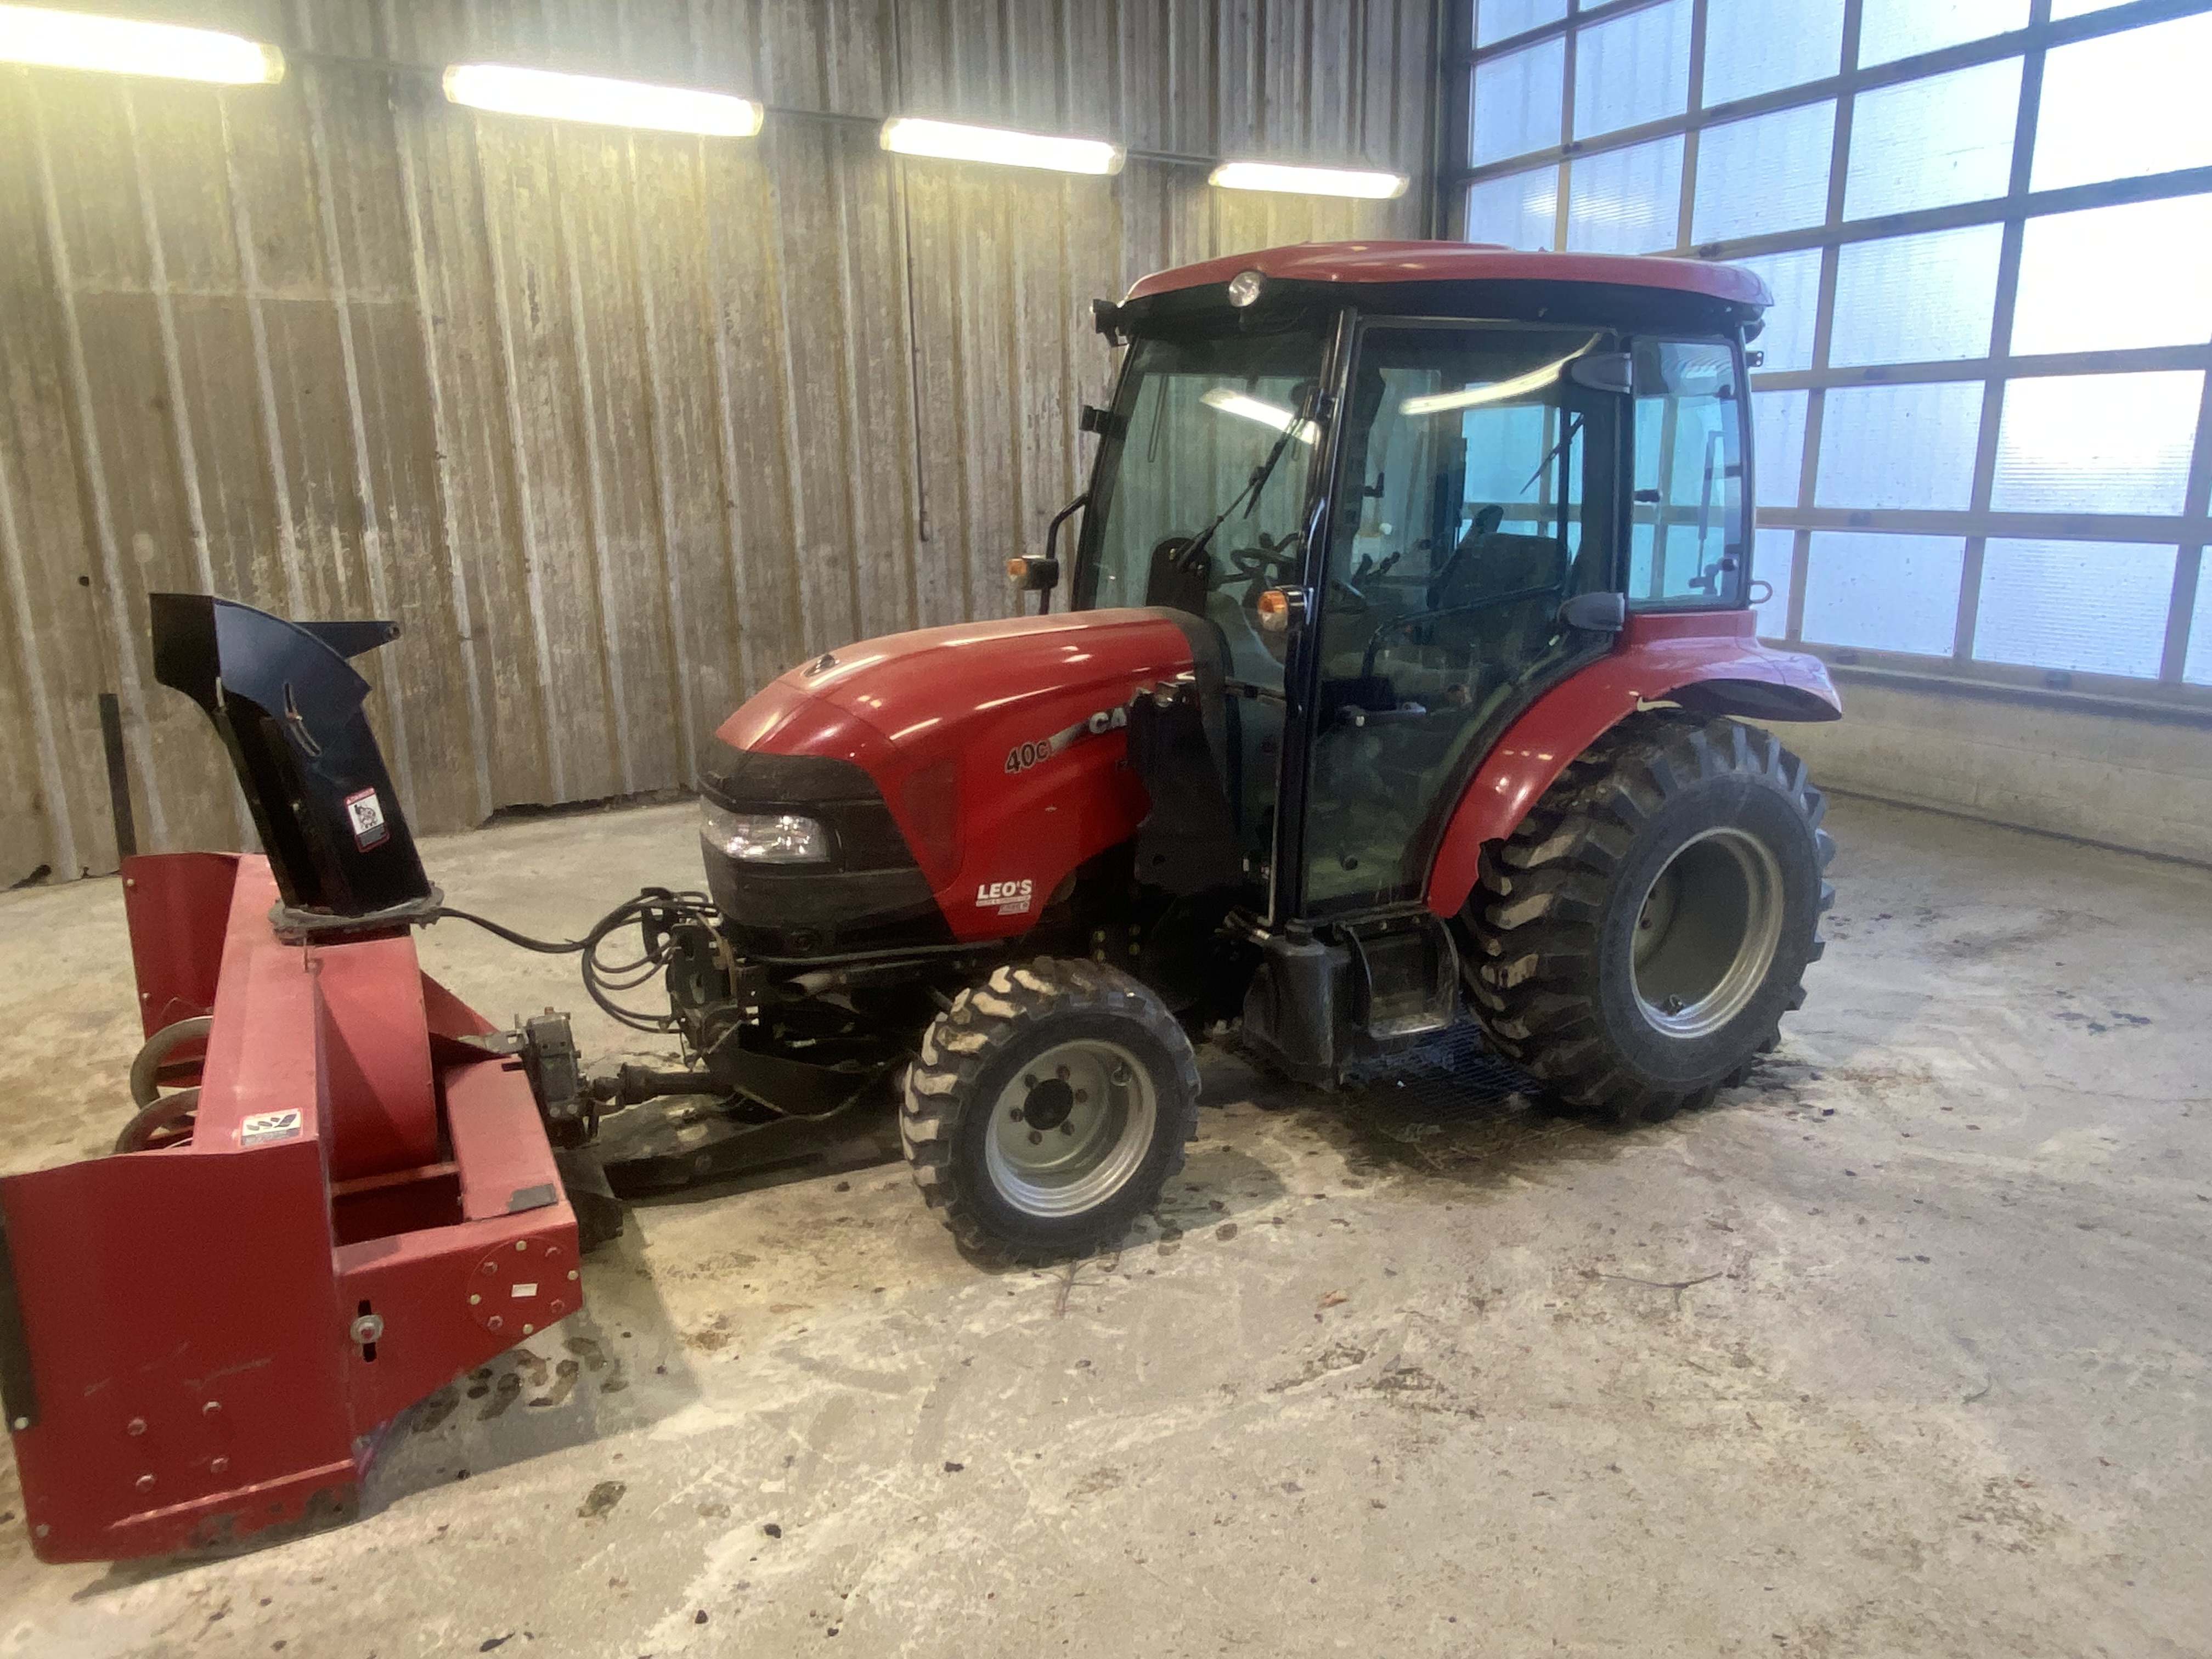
<point x="1403" y="679"/>
<point x="1402" y="676"/>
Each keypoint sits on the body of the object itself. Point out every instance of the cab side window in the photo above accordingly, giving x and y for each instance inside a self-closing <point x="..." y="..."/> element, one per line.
<point x="1688" y="536"/>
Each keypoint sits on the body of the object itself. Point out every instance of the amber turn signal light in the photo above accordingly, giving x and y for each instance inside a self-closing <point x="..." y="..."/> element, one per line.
<point x="1278" y="607"/>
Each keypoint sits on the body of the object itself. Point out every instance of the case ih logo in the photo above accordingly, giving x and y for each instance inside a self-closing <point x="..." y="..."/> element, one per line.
<point x="1008" y="898"/>
<point x="1023" y="756"/>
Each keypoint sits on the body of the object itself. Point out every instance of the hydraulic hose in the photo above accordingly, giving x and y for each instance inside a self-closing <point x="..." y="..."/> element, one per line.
<point x="656" y="909"/>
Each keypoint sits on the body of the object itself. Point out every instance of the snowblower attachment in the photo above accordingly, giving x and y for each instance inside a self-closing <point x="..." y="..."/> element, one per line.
<point x="202" y="1337"/>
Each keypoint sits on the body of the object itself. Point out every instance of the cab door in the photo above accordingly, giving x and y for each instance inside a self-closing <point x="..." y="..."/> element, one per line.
<point x="1476" y="471"/>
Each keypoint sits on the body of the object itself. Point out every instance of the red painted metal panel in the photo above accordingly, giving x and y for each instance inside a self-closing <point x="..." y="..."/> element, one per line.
<point x="1462" y="262"/>
<point x="373" y="1057"/>
<point x="188" y="1317"/>
<point x="178" y="908"/>
<point x="950" y="710"/>
<point x="1659" y="652"/>
<point x="181" y="1314"/>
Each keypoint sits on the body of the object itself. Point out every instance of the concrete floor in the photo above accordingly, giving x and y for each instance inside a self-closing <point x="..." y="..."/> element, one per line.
<point x="1899" y="1350"/>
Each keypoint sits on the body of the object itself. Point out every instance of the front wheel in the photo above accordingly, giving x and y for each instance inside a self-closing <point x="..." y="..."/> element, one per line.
<point x="1647" y="925"/>
<point x="1048" y="1108"/>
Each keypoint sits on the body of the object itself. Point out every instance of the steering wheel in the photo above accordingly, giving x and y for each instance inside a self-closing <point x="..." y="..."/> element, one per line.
<point x="1270" y="562"/>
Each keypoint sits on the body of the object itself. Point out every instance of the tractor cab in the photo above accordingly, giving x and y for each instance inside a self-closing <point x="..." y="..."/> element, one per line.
<point x="1399" y="491"/>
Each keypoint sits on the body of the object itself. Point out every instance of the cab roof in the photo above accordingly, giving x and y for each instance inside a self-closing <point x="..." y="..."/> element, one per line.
<point x="1462" y="262"/>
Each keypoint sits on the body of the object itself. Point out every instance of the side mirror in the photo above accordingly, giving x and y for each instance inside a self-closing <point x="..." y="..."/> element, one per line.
<point x="1599" y="613"/>
<point x="1041" y="575"/>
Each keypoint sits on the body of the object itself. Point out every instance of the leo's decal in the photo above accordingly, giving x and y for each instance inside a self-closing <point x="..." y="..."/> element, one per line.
<point x="1008" y="898"/>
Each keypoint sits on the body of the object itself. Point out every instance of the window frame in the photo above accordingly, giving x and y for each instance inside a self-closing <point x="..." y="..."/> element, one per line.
<point x="1736" y="594"/>
<point x="2188" y="531"/>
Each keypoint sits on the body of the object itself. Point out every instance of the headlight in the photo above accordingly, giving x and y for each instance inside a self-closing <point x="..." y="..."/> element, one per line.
<point x="764" y="837"/>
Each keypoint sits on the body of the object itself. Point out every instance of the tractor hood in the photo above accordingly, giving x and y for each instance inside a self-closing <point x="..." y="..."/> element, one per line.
<point x="998" y="747"/>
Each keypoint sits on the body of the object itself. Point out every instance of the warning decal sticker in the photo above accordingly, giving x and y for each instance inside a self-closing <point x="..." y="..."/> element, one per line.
<point x="265" y="1126"/>
<point x="367" y="812"/>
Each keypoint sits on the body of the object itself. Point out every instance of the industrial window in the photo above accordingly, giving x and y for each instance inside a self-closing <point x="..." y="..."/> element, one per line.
<point x="1983" y="427"/>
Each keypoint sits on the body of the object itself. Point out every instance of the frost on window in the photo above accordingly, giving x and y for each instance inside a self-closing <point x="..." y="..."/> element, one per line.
<point x="1927" y="143"/>
<point x="2098" y="607"/>
<point x="1626" y="201"/>
<point x="1884" y="592"/>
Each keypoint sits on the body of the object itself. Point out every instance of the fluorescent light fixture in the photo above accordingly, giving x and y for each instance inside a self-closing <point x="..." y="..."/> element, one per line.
<point x="953" y="142"/>
<point x="1236" y="403"/>
<point x="513" y="91"/>
<point x="70" y="39"/>
<point x="1497" y="391"/>
<point x="1310" y="181"/>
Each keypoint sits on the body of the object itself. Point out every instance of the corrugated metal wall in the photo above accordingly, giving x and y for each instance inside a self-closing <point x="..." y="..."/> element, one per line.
<point x="618" y="425"/>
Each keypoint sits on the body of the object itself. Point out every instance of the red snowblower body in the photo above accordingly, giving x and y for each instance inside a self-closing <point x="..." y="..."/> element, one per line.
<point x="358" y="1200"/>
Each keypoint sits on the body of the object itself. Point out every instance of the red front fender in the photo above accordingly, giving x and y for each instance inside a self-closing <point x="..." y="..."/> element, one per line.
<point x="1709" y="661"/>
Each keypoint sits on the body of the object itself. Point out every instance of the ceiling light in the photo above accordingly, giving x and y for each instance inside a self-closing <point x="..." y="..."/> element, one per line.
<point x="1236" y="403"/>
<point x="513" y="91"/>
<point x="68" y="40"/>
<point x="953" y="142"/>
<point x="1310" y="181"/>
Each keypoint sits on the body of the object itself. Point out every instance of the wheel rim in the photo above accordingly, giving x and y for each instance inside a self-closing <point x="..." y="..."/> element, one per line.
<point x="1070" y="1129"/>
<point x="1707" y="932"/>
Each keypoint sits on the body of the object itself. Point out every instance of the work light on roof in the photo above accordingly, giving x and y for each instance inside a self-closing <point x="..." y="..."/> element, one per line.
<point x="1246" y="287"/>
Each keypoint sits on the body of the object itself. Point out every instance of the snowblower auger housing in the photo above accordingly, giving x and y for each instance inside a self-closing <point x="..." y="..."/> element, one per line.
<point x="353" y="1200"/>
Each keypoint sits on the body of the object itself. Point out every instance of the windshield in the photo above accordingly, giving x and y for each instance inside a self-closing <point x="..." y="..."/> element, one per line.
<point x="1202" y="417"/>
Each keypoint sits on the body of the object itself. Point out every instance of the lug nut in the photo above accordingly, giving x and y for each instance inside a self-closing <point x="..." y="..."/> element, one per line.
<point x="1062" y="1073"/>
<point x="1082" y="1095"/>
<point x="1067" y="1129"/>
<point x="145" y="1483"/>
<point x="494" y="1322"/>
<point x="1029" y="1079"/>
<point x="214" y="1408"/>
<point x="136" y="1425"/>
<point x="1035" y="1139"/>
<point x="1016" y="1114"/>
<point x="218" y="1466"/>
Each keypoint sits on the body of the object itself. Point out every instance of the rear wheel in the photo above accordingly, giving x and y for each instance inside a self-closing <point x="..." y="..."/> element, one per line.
<point x="1048" y="1108"/>
<point x="1643" y="932"/>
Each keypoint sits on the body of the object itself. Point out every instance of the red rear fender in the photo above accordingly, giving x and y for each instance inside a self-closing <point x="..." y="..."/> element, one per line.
<point x="1707" y="661"/>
